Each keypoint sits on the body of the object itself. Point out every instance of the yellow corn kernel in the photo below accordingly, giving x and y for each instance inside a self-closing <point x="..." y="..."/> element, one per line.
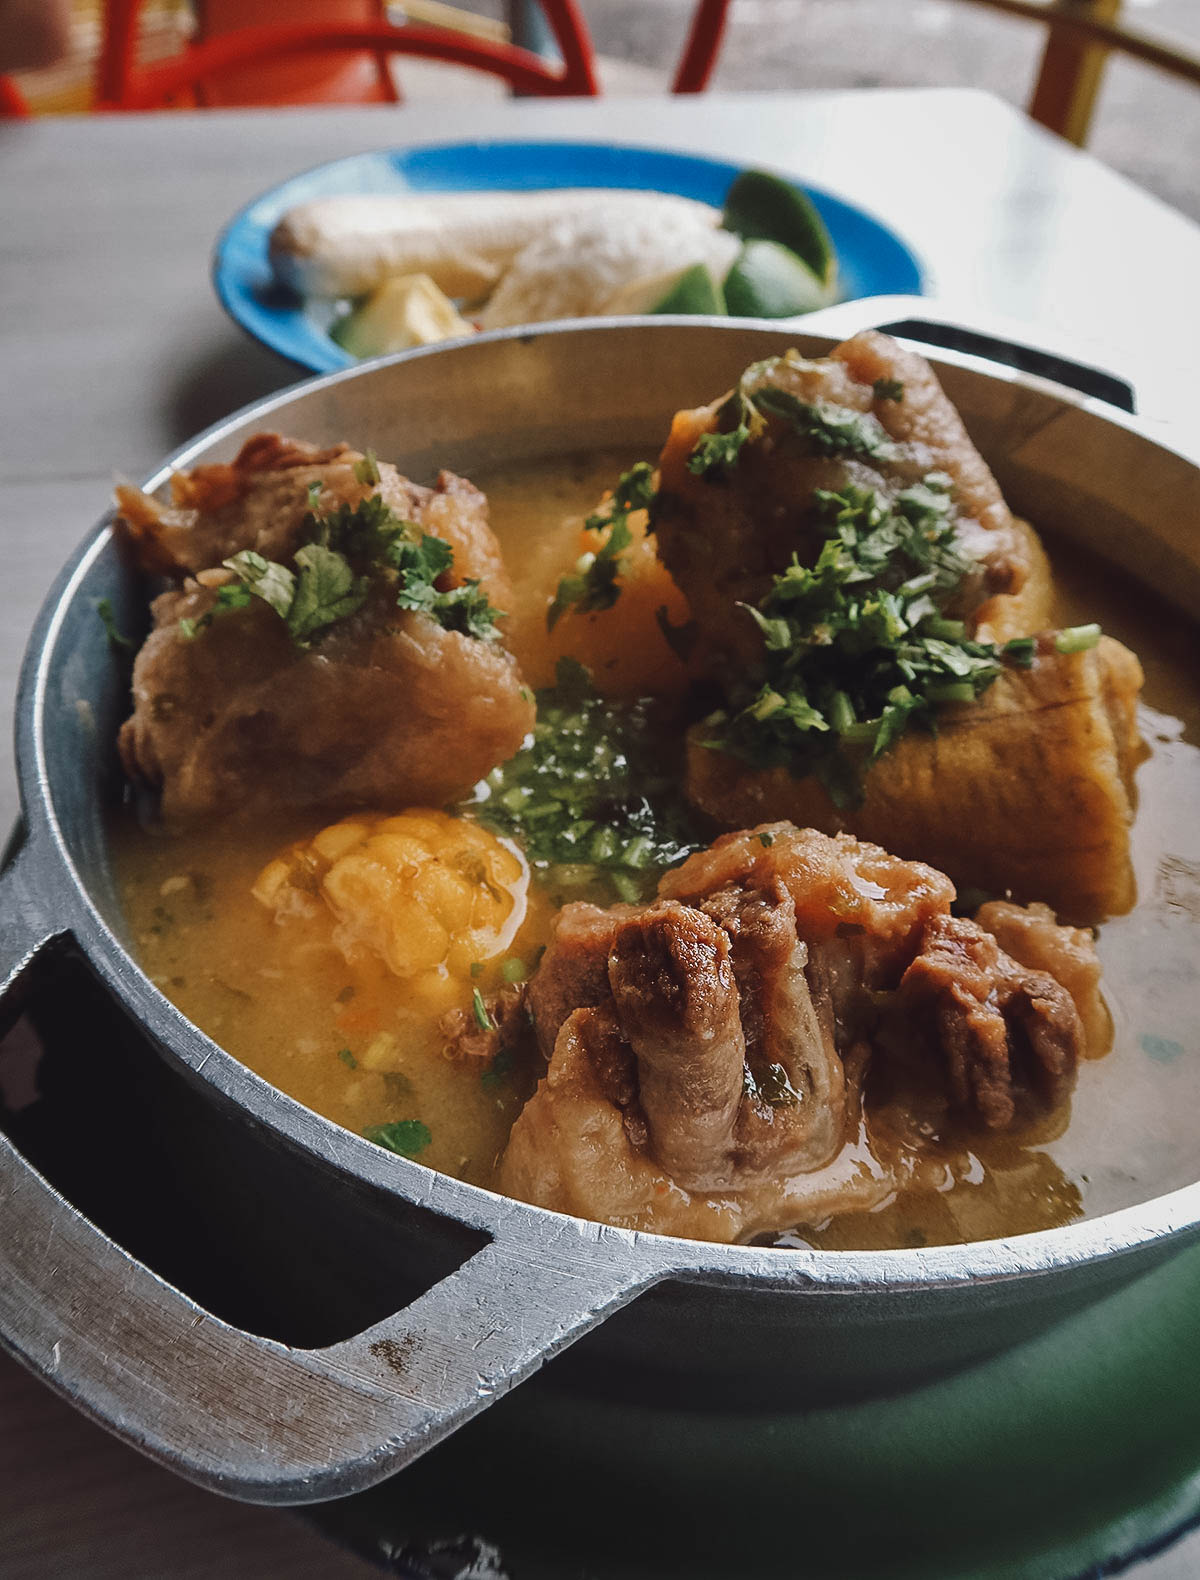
<point x="336" y="840"/>
<point x="381" y="1052"/>
<point x="270" y="881"/>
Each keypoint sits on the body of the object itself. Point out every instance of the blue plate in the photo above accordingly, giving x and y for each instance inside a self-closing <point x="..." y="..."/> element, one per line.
<point x="872" y="259"/>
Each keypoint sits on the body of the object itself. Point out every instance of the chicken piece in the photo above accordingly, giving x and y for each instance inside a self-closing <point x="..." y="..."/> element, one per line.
<point x="724" y="537"/>
<point x="388" y="707"/>
<point x="1029" y="790"/>
<point x="1011" y="1037"/>
<point x="708" y="1081"/>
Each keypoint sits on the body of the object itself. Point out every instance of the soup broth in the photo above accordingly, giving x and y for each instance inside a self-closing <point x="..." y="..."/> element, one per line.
<point x="372" y="1050"/>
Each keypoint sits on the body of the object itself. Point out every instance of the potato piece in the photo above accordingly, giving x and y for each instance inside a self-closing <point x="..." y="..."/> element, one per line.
<point x="624" y="647"/>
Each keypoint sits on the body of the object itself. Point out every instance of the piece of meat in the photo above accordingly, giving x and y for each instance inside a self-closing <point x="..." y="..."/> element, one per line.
<point x="724" y="538"/>
<point x="1032" y="936"/>
<point x="573" y="972"/>
<point x="1028" y="790"/>
<point x="505" y="1035"/>
<point x="261" y="500"/>
<point x="1011" y="1038"/>
<point x="676" y="1006"/>
<point x="574" y="1149"/>
<point x="709" y="1081"/>
<point x="386" y="708"/>
<point x="843" y="888"/>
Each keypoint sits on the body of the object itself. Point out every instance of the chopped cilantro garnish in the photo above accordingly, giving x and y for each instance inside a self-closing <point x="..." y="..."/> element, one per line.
<point x="593" y="584"/>
<point x="857" y="647"/>
<point x="828" y="429"/>
<point x="482" y="1019"/>
<point x="405" y="1136"/>
<point x="476" y="969"/>
<point x="348" y="1058"/>
<point x="513" y="970"/>
<point x="108" y="620"/>
<point x="716" y="454"/>
<point x="825" y="428"/>
<point x="595" y="796"/>
<point x="766" y="840"/>
<point x="348" y="549"/>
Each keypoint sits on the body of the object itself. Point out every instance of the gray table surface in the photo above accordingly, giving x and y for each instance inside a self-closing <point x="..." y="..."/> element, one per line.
<point x="113" y="350"/>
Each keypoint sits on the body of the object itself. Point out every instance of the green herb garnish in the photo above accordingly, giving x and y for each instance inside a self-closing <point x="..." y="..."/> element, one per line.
<point x="825" y="428"/>
<point x="716" y="454"/>
<point x="108" y="620"/>
<point x="405" y="1136"/>
<point x="482" y="1019"/>
<point x="595" y="797"/>
<point x="857" y="648"/>
<point x="513" y="970"/>
<point x="348" y="549"/>
<point x="592" y="586"/>
<point x="348" y="1058"/>
<point x="1077" y="639"/>
<point x="366" y="471"/>
<point x="828" y="429"/>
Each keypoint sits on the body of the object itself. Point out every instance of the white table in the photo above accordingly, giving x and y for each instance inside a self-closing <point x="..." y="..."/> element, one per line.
<point x="113" y="350"/>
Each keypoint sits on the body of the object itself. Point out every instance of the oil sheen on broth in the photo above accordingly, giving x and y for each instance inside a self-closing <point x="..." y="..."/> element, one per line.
<point x="365" y="1047"/>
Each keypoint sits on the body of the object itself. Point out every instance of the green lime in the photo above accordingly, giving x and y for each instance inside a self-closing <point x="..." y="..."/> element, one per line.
<point x="759" y="206"/>
<point x="768" y="281"/>
<point x="693" y="292"/>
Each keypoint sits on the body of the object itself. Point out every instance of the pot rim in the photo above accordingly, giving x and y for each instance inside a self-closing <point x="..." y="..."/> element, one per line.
<point x="74" y="913"/>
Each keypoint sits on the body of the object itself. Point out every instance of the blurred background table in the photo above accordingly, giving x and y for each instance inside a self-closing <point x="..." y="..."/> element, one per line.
<point x="114" y="350"/>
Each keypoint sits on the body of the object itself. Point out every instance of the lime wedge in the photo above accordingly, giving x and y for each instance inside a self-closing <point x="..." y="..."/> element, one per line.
<point x="768" y="281"/>
<point x="759" y="206"/>
<point x="693" y="292"/>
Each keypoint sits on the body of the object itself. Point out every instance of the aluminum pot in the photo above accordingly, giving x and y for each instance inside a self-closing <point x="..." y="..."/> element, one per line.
<point x="274" y="1423"/>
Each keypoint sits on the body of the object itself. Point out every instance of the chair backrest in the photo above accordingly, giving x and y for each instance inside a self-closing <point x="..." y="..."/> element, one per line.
<point x="124" y="85"/>
<point x="12" y="101"/>
<point x="1081" y="34"/>
<point x="298" y="79"/>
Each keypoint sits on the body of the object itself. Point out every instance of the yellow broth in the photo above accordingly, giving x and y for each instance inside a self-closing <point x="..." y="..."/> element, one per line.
<point x="360" y="1046"/>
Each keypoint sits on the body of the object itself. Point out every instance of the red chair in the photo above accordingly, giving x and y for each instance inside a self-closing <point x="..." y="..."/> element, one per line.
<point x="124" y="85"/>
<point x="701" y="47"/>
<point x="12" y="101"/>
<point x="1081" y="32"/>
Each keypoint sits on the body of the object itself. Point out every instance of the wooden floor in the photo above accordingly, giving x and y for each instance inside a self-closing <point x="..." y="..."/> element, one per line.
<point x="77" y="1505"/>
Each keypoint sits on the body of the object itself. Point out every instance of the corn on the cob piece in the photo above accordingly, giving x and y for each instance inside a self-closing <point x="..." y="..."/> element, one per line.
<point x="346" y="246"/>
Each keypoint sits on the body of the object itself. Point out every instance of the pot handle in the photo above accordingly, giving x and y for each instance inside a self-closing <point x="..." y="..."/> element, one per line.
<point x="25" y="931"/>
<point x="248" y="1416"/>
<point x="982" y="335"/>
<point x="256" y="1419"/>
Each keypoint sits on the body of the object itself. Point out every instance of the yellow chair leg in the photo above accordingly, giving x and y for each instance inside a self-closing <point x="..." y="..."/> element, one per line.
<point x="1069" y="81"/>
